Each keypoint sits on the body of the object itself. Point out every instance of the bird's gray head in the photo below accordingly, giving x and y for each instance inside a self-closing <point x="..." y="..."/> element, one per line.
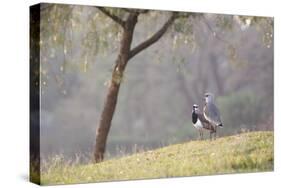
<point x="208" y="97"/>
<point x="195" y="108"/>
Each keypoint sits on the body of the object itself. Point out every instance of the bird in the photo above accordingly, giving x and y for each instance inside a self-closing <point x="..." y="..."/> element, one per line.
<point x="200" y="122"/>
<point x="211" y="112"/>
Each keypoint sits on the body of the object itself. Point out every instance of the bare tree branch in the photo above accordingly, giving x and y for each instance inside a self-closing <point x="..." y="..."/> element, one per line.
<point x="140" y="11"/>
<point x="154" y="38"/>
<point x="112" y="16"/>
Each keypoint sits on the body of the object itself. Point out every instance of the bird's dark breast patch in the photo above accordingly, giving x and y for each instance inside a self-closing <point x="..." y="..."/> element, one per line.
<point x="194" y="117"/>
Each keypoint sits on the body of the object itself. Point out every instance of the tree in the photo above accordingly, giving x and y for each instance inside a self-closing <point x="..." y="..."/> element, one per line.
<point x="125" y="54"/>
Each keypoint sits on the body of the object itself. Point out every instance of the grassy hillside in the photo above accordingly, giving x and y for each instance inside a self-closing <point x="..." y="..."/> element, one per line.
<point x="247" y="152"/>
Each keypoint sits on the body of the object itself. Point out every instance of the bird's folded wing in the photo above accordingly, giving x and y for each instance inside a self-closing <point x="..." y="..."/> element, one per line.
<point x="213" y="113"/>
<point x="205" y="122"/>
<point x="202" y="118"/>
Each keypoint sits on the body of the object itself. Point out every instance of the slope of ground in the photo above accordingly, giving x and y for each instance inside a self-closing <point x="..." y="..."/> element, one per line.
<point x="247" y="152"/>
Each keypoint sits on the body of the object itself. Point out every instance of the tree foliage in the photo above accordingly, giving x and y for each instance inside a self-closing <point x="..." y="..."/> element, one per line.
<point x="101" y="36"/>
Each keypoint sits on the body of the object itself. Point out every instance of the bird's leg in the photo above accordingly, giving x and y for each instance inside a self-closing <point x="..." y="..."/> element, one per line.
<point x="215" y="133"/>
<point x="211" y="135"/>
<point x="201" y="134"/>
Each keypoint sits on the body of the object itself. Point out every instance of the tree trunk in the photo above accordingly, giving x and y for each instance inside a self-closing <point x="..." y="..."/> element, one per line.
<point x="113" y="90"/>
<point x="105" y="120"/>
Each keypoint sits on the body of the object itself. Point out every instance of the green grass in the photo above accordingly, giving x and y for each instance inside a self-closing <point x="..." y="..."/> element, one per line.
<point x="247" y="152"/>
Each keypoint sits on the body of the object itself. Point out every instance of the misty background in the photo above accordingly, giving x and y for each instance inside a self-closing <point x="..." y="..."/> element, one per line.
<point x="160" y="84"/>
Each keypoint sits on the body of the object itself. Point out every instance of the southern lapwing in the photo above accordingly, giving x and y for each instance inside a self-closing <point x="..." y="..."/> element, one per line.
<point x="211" y="112"/>
<point x="200" y="122"/>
